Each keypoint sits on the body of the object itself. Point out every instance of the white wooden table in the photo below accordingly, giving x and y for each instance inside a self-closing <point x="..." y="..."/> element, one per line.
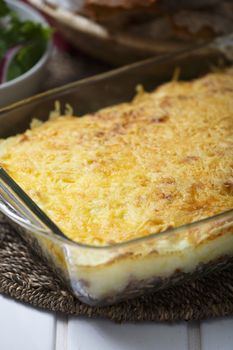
<point x="25" y="328"/>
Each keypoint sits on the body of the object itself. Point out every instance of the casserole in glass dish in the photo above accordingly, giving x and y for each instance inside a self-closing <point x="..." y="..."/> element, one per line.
<point x="109" y="271"/>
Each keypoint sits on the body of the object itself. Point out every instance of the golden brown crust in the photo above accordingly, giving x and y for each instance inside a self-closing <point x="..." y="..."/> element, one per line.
<point x="127" y="171"/>
<point x="126" y="11"/>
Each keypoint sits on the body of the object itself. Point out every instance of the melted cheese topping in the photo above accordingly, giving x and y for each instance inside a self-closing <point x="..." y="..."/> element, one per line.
<point x="163" y="160"/>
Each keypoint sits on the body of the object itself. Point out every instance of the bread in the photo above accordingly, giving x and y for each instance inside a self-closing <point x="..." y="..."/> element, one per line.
<point x="115" y="13"/>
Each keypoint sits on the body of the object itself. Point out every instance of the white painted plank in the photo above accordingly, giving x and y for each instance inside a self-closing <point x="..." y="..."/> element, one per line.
<point x="61" y="333"/>
<point x="86" y="334"/>
<point x="194" y="336"/>
<point x="24" y="327"/>
<point x="217" y="334"/>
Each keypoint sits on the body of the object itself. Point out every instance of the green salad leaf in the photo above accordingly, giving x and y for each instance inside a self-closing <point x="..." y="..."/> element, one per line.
<point x="4" y="10"/>
<point x="30" y="37"/>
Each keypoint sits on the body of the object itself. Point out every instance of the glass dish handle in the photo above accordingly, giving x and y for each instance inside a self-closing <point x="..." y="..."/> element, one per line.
<point x="20" y="208"/>
<point x="15" y="210"/>
<point x="11" y="212"/>
<point x="225" y="45"/>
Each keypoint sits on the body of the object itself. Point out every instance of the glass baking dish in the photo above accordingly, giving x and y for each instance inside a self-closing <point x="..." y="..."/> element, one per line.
<point x="108" y="274"/>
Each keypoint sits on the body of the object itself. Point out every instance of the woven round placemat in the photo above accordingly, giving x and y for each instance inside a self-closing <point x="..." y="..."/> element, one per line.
<point x="25" y="277"/>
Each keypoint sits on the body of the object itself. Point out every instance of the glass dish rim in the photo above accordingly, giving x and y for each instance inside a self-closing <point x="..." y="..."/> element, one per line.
<point x="57" y="234"/>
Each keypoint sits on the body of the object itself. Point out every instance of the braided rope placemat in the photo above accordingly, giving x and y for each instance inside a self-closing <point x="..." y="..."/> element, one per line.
<point x="25" y="277"/>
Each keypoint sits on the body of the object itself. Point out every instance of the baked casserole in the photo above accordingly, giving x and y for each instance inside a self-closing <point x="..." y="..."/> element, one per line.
<point x="162" y="161"/>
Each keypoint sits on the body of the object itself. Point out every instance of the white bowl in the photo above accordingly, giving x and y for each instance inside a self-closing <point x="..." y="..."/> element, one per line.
<point x="28" y="83"/>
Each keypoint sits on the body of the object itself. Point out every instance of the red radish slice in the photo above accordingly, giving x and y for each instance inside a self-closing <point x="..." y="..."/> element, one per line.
<point x="6" y="61"/>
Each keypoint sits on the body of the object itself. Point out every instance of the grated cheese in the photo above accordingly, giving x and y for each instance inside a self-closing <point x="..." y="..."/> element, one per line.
<point x="163" y="160"/>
